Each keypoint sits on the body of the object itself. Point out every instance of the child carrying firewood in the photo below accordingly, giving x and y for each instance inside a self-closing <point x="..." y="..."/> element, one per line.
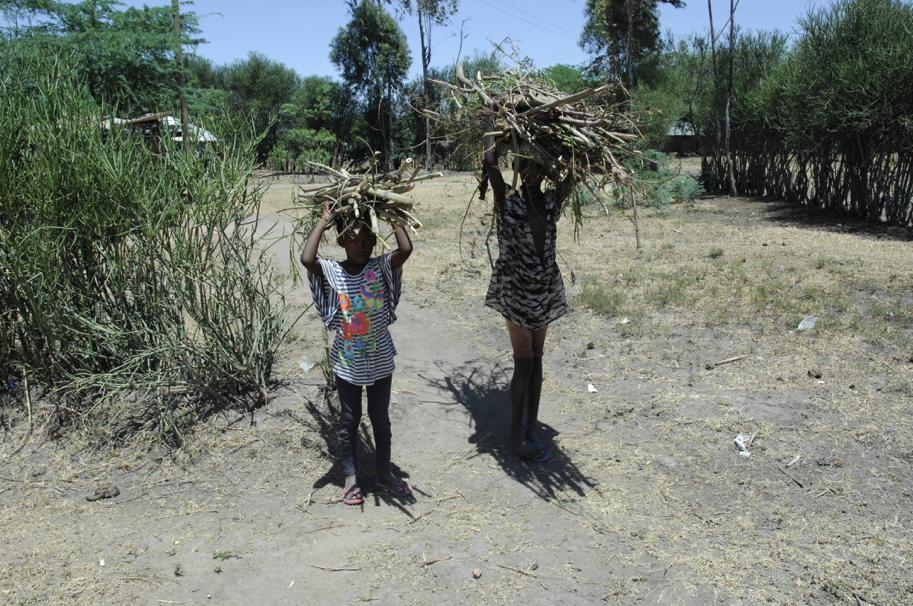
<point x="526" y="288"/>
<point x="357" y="299"/>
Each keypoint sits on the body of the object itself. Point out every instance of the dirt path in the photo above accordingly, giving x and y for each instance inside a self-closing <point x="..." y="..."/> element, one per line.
<point x="646" y="501"/>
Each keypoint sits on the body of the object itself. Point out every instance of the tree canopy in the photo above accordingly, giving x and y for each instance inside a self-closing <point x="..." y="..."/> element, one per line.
<point x="621" y="34"/>
<point x="124" y="55"/>
<point x="372" y="54"/>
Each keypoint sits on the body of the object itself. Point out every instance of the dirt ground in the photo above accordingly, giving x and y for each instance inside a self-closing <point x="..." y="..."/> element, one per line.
<point x="647" y="500"/>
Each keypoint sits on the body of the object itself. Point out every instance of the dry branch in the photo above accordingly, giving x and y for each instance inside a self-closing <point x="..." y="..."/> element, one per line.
<point x="577" y="138"/>
<point x="365" y="195"/>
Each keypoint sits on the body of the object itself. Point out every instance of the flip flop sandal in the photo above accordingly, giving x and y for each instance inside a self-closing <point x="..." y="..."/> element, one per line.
<point x="401" y="489"/>
<point x="353" y="496"/>
<point x="543" y="454"/>
<point x="532" y="454"/>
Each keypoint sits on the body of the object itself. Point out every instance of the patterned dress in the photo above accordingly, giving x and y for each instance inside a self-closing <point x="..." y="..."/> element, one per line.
<point x="526" y="288"/>
<point x="358" y="309"/>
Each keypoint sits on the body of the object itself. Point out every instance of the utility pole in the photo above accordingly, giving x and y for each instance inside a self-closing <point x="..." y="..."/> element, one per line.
<point x="179" y="57"/>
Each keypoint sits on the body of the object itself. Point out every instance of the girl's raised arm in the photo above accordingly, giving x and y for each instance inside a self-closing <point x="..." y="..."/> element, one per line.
<point x="492" y="174"/>
<point x="309" y="253"/>
<point x="403" y="246"/>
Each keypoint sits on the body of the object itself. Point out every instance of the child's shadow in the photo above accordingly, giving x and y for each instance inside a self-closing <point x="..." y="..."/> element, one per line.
<point x="483" y="390"/>
<point x="325" y="414"/>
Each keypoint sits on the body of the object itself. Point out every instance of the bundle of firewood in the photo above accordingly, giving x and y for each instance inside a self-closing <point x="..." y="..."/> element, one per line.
<point x="364" y="195"/>
<point x="578" y="139"/>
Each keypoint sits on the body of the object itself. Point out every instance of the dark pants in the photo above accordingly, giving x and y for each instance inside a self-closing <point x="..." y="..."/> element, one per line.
<point x="350" y="417"/>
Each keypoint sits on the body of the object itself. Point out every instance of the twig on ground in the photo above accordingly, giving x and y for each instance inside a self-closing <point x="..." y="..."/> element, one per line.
<point x="863" y="598"/>
<point x="327" y="527"/>
<point x="786" y="473"/>
<point x="186" y="513"/>
<point x="420" y="516"/>
<point x="334" y="568"/>
<point x="726" y="361"/>
<point x="523" y="572"/>
<point x="426" y="563"/>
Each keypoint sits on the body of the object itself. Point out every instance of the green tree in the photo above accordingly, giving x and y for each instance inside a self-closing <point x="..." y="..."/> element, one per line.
<point x="307" y="125"/>
<point x="429" y="13"/>
<point x="258" y="87"/>
<point x="125" y="56"/>
<point x="372" y="54"/>
<point x="568" y="78"/>
<point x="622" y="34"/>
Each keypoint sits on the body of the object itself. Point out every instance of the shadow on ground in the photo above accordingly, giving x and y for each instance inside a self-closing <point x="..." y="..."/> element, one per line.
<point x="482" y="389"/>
<point x="788" y="213"/>
<point x="324" y="415"/>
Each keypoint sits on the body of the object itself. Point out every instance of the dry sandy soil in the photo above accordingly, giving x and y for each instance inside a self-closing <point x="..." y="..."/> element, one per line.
<point x="647" y="500"/>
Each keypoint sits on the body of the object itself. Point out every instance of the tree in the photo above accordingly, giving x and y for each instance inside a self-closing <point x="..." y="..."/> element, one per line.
<point x="621" y="34"/>
<point x="730" y="170"/>
<point x="372" y="54"/>
<point x="259" y="87"/>
<point x="430" y="13"/>
<point x="568" y="78"/>
<point x="307" y="125"/>
<point x="126" y="57"/>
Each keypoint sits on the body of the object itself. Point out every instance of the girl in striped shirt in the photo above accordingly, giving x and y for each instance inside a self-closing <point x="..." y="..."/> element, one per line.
<point x="356" y="299"/>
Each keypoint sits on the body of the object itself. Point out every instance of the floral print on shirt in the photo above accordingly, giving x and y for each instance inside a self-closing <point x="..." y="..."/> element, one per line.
<point x="357" y="330"/>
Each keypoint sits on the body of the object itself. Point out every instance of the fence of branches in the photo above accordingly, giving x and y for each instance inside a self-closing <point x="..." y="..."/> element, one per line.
<point x="831" y="125"/>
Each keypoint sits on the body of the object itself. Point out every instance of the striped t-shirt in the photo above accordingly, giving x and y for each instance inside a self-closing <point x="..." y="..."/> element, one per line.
<point x="358" y="309"/>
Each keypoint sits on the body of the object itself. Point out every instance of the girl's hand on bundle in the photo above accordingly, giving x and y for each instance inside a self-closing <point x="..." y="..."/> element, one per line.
<point x="326" y="214"/>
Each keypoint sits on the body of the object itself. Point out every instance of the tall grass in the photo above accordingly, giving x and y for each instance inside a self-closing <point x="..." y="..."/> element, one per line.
<point x="133" y="285"/>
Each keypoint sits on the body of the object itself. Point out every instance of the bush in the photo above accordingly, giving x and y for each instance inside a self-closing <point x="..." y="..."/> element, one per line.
<point x="658" y="182"/>
<point x="128" y="276"/>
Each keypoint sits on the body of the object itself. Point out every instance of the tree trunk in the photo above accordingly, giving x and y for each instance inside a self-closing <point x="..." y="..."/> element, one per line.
<point x="390" y="144"/>
<point x="717" y="143"/>
<point x="426" y="61"/>
<point x="732" y="187"/>
<point x="629" y="34"/>
<point x="179" y="57"/>
<point x="629" y="72"/>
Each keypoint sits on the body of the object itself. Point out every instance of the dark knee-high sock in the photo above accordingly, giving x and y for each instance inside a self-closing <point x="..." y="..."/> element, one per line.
<point x="519" y="388"/>
<point x="533" y="396"/>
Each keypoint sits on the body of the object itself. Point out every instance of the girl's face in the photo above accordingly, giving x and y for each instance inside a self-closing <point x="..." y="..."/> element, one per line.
<point x="358" y="246"/>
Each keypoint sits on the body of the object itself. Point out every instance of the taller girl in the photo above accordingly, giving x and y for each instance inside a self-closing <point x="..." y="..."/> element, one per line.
<point x="526" y="288"/>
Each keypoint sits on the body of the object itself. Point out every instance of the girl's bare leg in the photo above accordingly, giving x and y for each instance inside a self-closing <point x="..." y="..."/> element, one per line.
<point x="521" y="341"/>
<point x="535" y="386"/>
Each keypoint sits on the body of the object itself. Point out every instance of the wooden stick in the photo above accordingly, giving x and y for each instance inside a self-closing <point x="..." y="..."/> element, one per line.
<point x="786" y="473"/>
<point x="726" y="361"/>
<point x="461" y="76"/>
<point x="28" y="397"/>
<point x="333" y="569"/>
<point x="524" y="572"/>
<point x="565" y="100"/>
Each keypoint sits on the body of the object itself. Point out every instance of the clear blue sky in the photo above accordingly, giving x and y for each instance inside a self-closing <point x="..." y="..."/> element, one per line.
<point x="298" y="32"/>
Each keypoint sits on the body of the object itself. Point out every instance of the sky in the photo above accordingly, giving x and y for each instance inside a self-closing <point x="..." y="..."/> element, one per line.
<point x="298" y="32"/>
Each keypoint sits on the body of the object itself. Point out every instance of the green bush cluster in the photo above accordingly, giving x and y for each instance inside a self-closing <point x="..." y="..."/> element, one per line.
<point x="125" y="274"/>
<point x="831" y="124"/>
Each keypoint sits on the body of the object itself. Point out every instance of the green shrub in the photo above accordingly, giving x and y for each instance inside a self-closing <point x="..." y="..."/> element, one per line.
<point x="658" y="182"/>
<point x="128" y="275"/>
